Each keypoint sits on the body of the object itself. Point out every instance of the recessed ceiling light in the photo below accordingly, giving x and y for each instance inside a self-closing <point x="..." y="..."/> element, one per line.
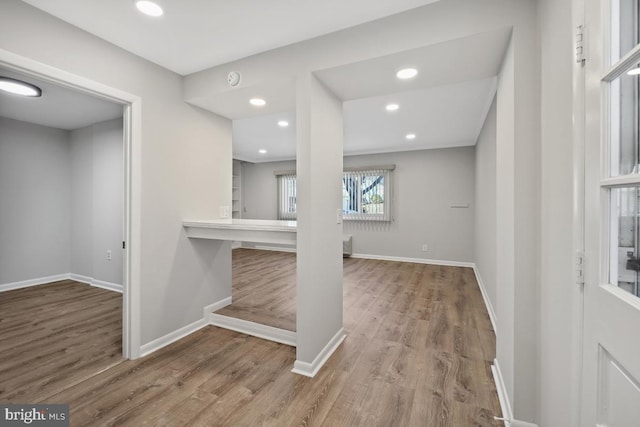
<point x="410" y="136"/>
<point x="392" y="107"/>
<point x="262" y="151"/>
<point x="407" y="73"/>
<point x="283" y="123"/>
<point x="18" y="87"/>
<point x="634" y="71"/>
<point x="149" y="8"/>
<point x="257" y="102"/>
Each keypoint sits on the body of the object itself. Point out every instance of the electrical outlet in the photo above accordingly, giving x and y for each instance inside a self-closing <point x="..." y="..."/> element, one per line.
<point x="425" y="248"/>
<point x="108" y="255"/>
<point x="224" y="211"/>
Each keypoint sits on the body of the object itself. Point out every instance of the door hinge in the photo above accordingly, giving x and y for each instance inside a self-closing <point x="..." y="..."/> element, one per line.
<point x="124" y="246"/>
<point x="580" y="45"/>
<point x="580" y="260"/>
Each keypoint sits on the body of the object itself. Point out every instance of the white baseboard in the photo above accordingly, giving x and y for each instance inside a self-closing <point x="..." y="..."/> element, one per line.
<point x="254" y="329"/>
<point x="209" y="309"/>
<point x="97" y="283"/>
<point x="503" y="397"/>
<point x="415" y="260"/>
<point x="485" y="297"/>
<point x="172" y="337"/>
<point x="271" y="248"/>
<point x="33" y="282"/>
<point x="311" y="369"/>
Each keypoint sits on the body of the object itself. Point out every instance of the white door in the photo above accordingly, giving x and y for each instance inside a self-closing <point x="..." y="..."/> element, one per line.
<point x="611" y="352"/>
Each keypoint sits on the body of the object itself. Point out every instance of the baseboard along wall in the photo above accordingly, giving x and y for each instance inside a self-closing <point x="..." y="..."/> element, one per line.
<point x="66" y="276"/>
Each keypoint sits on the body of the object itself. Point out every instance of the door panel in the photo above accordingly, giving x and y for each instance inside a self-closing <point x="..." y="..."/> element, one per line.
<point x="611" y="353"/>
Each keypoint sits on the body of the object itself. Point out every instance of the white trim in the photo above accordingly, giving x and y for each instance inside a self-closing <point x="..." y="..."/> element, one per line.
<point x="131" y="304"/>
<point x="254" y="329"/>
<point x="209" y="309"/>
<point x="97" y="283"/>
<point x="501" y="388"/>
<point x="416" y="260"/>
<point x="172" y="337"/>
<point x="485" y="297"/>
<point x="311" y="369"/>
<point x="271" y="248"/>
<point x="32" y="282"/>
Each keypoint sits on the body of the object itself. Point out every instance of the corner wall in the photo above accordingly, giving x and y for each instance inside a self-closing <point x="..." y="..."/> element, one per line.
<point x="35" y="207"/>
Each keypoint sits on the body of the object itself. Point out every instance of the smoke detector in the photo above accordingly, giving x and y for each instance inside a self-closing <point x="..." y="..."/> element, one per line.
<point x="234" y="78"/>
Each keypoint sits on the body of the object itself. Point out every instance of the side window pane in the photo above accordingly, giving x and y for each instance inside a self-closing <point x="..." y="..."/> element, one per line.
<point x="625" y="28"/>
<point x="625" y="153"/>
<point x="625" y="264"/>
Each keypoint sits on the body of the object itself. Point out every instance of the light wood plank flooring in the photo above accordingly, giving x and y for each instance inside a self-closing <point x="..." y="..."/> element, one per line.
<point x="56" y="335"/>
<point x="417" y="353"/>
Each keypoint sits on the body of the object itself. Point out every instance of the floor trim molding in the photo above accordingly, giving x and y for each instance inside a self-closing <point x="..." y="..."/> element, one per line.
<point x="270" y="333"/>
<point x="97" y="283"/>
<point x="311" y="369"/>
<point x="209" y="309"/>
<point x="503" y="397"/>
<point x="485" y="297"/>
<point x="270" y="248"/>
<point x="416" y="260"/>
<point x="33" y="282"/>
<point x="170" y="338"/>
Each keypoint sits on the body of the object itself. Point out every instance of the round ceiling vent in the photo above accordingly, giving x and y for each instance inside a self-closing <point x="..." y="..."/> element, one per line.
<point x="233" y="78"/>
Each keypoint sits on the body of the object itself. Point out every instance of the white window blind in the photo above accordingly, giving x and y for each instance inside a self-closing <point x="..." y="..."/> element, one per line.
<point x="286" y="196"/>
<point x="366" y="194"/>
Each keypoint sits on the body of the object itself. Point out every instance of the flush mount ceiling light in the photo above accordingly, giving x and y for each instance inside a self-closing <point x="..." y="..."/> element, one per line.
<point x="149" y="8"/>
<point x="283" y="123"/>
<point x="407" y="73"/>
<point x="410" y="136"/>
<point x="262" y="151"/>
<point x="257" y="102"/>
<point x="392" y="107"/>
<point x="634" y="71"/>
<point x="18" y="87"/>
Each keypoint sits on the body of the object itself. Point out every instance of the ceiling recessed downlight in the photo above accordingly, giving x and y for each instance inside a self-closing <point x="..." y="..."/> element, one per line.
<point x="18" y="87"/>
<point x="149" y="8"/>
<point x="392" y="107"/>
<point x="634" y="71"/>
<point x="263" y="151"/>
<point x="283" y="123"/>
<point x="407" y="73"/>
<point x="410" y="136"/>
<point x="257" y="102"/>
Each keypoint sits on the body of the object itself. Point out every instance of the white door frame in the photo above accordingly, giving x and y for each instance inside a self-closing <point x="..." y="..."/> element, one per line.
<point x="132" y="135"/>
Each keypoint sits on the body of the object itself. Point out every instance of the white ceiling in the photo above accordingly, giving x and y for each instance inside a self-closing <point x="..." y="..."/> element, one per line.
<point x="445" y="105"/>
<point x="58" y="107"/>
<point x="196" y="34"/>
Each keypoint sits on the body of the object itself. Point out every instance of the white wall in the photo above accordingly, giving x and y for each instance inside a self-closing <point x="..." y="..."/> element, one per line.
<point x="485" y="230"/>
<point x="185" y="166"/>
<point x="425" y="184"/>
<point x="97" y="200"/>
<point x="34" y="201"/>
<point x="319" y="235"/>
<point x="560" y="298"/>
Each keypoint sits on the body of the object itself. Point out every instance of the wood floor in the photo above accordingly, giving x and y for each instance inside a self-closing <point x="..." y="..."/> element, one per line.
<point x="417" y="353"/>
<point x="264" y="288"/>
<point x="54" y="336"/>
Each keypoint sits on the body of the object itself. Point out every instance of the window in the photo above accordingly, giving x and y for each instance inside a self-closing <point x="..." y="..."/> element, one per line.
<point x="366" y="194"/>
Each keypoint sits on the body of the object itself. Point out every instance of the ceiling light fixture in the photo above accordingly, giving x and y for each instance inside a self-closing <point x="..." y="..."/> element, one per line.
<point x="263" y="151"/>
<point x="392" y="107"/>
<point x="149" y="8"/>
<point x="407" y="73"/>
<point x="257" y="102"/>
<point x="410" y="136"/>
<point x="283" y="123"/>
<point x="634" y="71"/>
<point x="18" y="87"/>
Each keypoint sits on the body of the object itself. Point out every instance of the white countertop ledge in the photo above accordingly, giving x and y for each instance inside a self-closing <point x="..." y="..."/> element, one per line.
<point x="248" y="230"/>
